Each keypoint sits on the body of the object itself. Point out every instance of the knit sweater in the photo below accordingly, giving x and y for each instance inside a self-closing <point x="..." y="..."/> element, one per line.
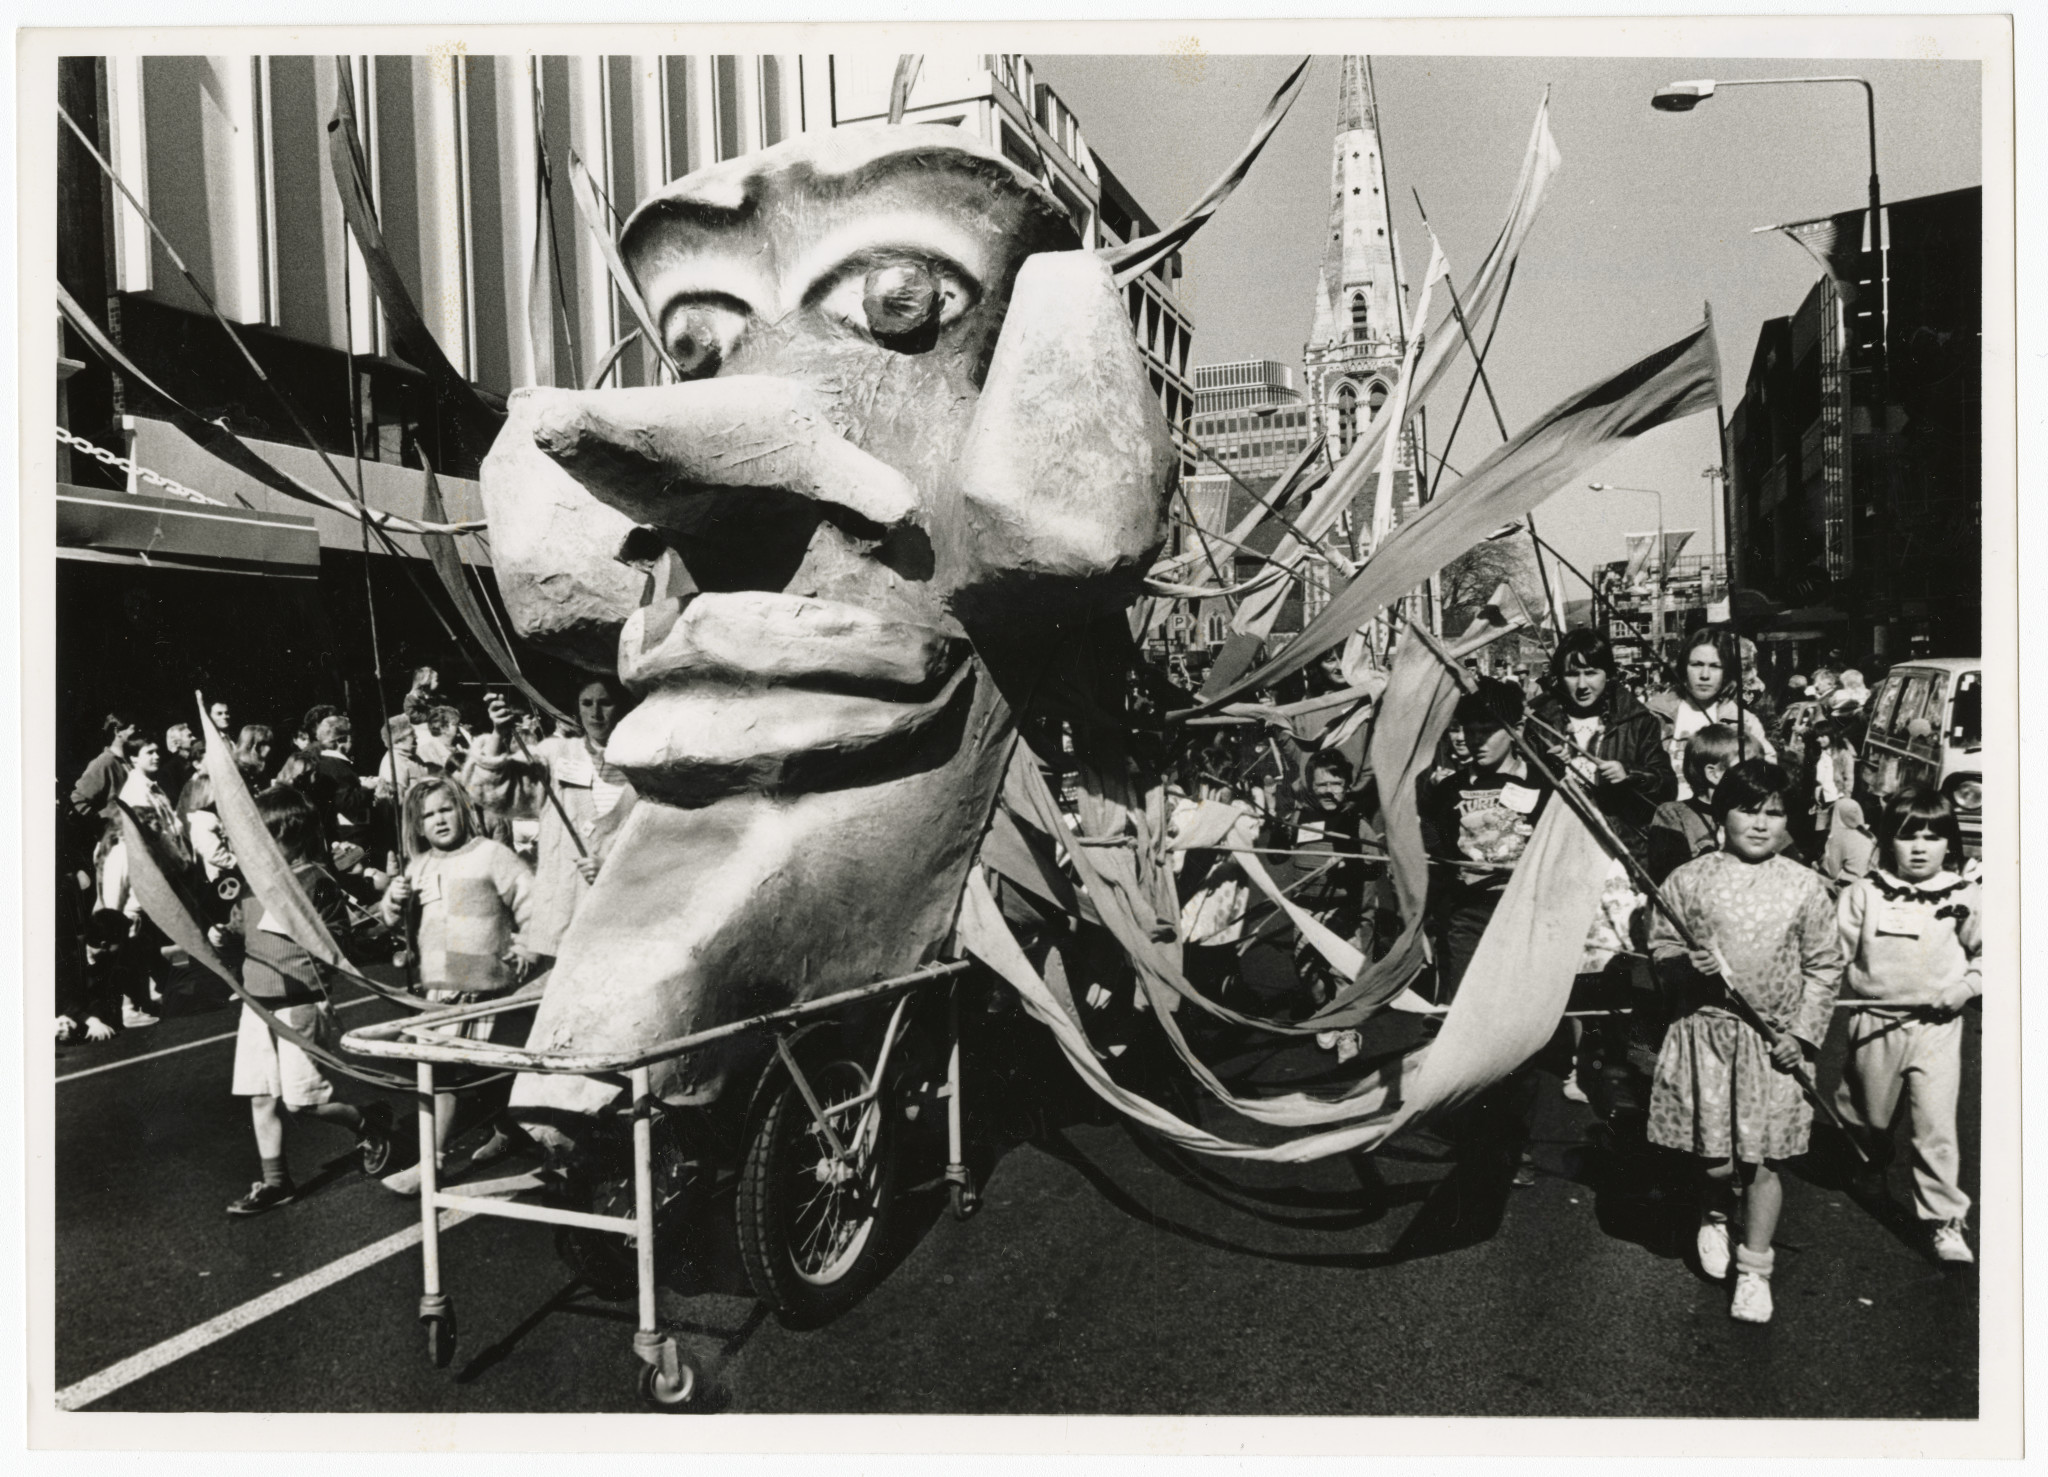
<point x="471" y="901"/>
<point x="1908" y="942"/>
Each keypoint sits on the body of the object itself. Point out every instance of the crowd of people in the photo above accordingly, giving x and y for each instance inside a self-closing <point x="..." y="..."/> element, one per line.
<point x="460" y="859"/>
<point x="1755" y="889"/>
<point x="1749" y="868"/>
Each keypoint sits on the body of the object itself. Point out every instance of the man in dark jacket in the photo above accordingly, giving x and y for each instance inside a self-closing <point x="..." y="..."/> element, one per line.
<point x="1592" y="725"/>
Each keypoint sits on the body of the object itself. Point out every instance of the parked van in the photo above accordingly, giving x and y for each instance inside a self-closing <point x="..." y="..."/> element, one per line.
<point x="1926" y="726"/>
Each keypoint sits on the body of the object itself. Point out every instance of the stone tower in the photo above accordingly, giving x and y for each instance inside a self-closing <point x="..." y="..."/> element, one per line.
<point x="1353" y="355"/>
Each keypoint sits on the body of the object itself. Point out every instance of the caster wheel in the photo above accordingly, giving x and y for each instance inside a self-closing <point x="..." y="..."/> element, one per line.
<point x="963" y="1199"/>
<point x="440" y="1340"/>
<point x="658" y="1392"/>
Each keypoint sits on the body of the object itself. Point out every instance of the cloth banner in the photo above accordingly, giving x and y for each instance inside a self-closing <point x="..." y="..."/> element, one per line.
<point x="1642" y="551"/>
<point x="1836" y="242"/>
<point x="1255" y="617"/>
<point x="1680" y="379"/>
<point x="265" y="869"/>
<point x="175" y="913"/>
<point x="1512" y="997"/>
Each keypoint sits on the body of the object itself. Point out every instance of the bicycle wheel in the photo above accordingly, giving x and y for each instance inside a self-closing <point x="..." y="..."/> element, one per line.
<point x="813" y="1223"/>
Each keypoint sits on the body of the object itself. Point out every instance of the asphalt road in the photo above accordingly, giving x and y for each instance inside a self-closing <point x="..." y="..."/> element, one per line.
<point x="1104" y="1274"/>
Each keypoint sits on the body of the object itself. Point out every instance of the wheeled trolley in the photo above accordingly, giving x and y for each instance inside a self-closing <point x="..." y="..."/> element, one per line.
<point x="818" y="1172"/>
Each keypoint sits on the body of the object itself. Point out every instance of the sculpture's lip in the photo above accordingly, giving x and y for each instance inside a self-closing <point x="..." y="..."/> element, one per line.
<point x="772" y="640"/>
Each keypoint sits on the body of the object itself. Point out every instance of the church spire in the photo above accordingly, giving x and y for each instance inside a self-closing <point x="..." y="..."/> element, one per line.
<point x="1355" y="108"/>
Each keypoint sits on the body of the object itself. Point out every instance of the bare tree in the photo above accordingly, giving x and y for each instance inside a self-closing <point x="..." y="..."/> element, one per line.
<point x="1470" y="580"/>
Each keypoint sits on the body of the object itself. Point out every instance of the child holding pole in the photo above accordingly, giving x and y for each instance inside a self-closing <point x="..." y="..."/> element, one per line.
<point x="1724" y="1092"/>
<point x="1913" y="932"/>
<point x="473" y="895"/>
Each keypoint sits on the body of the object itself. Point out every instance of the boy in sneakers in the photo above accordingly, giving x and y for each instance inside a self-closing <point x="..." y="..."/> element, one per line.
<point x="270" y="1070"/>
<point x="1913" y="930"/>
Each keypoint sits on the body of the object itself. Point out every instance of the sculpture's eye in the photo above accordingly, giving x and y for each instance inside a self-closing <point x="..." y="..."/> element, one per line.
<point x="700" y="333"/>
<point x="900" y="301"/>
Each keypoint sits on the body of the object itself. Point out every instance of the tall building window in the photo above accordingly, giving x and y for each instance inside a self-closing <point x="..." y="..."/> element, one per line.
<point x="1358" y="324"/>
<point x="1347" y="417"/>
<point x="1375" y="397"/>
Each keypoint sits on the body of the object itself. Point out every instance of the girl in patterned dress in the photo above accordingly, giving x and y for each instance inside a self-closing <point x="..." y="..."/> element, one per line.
<point x="1766" y="927"/>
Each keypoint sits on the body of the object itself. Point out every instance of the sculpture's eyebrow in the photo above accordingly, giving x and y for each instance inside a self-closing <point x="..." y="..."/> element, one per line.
<point x="913" y="232"/>
<point x="711" y="270"/>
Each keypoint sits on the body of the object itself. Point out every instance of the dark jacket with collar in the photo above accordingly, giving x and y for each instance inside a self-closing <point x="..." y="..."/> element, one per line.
<point x="1630" y="734"/>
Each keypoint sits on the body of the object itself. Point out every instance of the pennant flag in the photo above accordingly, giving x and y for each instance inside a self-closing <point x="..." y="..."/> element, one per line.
<point x="1255" y="617"/>
<point x="1836" y="243"/>
<point x="1678" y="380"/>
<point x="1642" y="552"/>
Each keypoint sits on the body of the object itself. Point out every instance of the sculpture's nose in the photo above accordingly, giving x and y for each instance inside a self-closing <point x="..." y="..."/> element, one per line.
<point x="663" y="455"/>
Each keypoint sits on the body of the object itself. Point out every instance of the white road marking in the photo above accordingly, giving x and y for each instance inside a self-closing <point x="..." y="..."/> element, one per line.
<point x="192" y="1340"/>
<point x="150" y="1056"/>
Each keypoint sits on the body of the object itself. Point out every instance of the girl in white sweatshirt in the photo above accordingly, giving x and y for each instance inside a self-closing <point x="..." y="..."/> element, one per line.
<point x="1913" y="932"/>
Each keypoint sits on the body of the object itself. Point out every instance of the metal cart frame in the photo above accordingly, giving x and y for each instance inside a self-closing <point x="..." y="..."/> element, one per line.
<point x="669" y="1379"/>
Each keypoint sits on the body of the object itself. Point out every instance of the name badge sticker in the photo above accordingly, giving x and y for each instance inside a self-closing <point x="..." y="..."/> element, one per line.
<point x="1901" y="920"/>
<point x="1519" y="798"/>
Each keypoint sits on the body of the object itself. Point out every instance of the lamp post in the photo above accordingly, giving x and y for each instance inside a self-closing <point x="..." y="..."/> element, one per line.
<point x="1683" y="97"/>
<point x="1656" y="625"/>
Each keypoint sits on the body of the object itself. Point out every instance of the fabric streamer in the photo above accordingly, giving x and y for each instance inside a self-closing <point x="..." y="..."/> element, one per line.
<point x="1512" y="997"/>
<point x="1132" y="260"/>
<point x="584" y="188"/>
<point x="1680" y="379"/>
<point x="176" y="914"/>
<point x="265" y="869"/>
<point x="448" y="565"/>
<point x="476" y="423"/>
<point x="228" y="447"/>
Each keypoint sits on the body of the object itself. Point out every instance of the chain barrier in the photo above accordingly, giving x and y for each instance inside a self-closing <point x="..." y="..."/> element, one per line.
<point x="142" y="474"/>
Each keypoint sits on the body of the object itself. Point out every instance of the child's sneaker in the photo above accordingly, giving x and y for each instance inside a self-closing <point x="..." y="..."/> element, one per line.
<point x="1572" y="1091"/>
<point x="134" y="1019"/>
<point x="67" y="1030"/>
<point x="373" y="1142"/>
<point x="264" y="1196"/>
<point x="1752" y="1300"/>
<point x="1949" y="1245"/>
<point x="1713" y="1245"/>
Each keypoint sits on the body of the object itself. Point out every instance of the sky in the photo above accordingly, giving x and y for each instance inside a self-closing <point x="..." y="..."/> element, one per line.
<point x="1649" y="218"/>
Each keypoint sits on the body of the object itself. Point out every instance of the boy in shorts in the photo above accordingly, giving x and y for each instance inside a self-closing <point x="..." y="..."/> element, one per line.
<point x="271" y="1070"/>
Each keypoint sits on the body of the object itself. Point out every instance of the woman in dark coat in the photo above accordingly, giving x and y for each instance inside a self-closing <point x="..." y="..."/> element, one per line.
<point x="1592" y="724"/>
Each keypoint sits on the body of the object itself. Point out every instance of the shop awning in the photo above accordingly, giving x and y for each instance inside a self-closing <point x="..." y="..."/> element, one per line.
<point x="129" y="528"/>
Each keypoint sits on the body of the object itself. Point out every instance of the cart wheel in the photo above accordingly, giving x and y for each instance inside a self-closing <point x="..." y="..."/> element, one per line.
<point x="964" y="1198"/>
<point x="658" y="1391"/>
<point x="812" y="1227"/>
<point x="440" y="1338"/>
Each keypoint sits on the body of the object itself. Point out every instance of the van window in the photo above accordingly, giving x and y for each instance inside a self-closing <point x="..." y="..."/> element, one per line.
<point x="1912" y="703"/>
<point x="1966" y="718"/>
<point x="1933" y="704"/>
<point x="1887" y="703"/>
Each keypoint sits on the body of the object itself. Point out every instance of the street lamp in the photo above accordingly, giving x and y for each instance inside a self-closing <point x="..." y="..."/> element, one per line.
<point x="1683" y="97"/>
<point x="1656" y="626"/>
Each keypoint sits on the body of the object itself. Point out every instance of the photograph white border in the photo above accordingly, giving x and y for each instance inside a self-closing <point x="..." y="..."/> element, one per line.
<point x="1997" y="1430"/>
